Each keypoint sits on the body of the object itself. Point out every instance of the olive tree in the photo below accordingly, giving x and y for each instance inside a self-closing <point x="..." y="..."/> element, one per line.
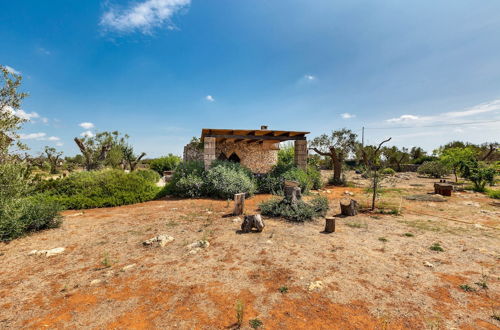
<point x="53" y="157"/>
<point x="338" y="145"/>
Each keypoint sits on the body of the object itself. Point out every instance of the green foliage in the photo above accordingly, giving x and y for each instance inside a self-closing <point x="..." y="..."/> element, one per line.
<point x="82" y="190"/>
<point x="149" y="175"/>
<point x="467" y="288"/>
<point x="187" y="180"/>
<point x="21" y="213"/>
<point x="423" y="159"/>
<point x="272" y="182"/>
<point x="388" y="171"/>
<point x="436" y="247"/>
<point x="383" y="239"/>
<point x="455" y="158"/>
<point x="300" y="212"/>
<point x="478" y="173"/>
<point x="255" y="323"/>
<point x="435" y="169"/>
<point x="224" y="179"/>
<point x="240" y="310"/>
<point x="283" y="289"/>
<point x="493" y="193"/>
<point x="408" y="234"/>
<point x="286" y="155"/>
<point x="167" y="163"/>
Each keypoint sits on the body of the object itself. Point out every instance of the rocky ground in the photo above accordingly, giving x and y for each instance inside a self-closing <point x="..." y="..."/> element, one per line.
<point x="198" y="272"/>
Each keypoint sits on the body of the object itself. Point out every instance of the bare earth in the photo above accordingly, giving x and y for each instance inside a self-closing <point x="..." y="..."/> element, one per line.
<point x="351" y="279"/>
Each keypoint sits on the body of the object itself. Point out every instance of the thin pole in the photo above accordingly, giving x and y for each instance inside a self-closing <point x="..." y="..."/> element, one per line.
<point x="363" y="137"/>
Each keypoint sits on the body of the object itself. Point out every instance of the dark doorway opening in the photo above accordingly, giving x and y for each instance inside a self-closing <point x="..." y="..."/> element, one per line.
<point x="234" y="158"/>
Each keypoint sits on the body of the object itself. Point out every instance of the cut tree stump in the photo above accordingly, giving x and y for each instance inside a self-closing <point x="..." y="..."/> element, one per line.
<point x="252" y="221"/>
<point x="329" y="225"/>
<point x="348" y="207"/>
<point x="239" y="204"/>
<point x="443" y="189"/>
<point x="292" y="194"/>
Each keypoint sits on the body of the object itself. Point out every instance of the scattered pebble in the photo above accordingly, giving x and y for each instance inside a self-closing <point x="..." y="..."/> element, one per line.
<point x="237" y="220"/>
<point x="197" y="246"/>
<point x="160" y="240"/>
<point x="428" y="264"/>
<point x="315" y="285"/>
<point x="95" y="282"/>
<point x="128" y="267"/>
<point x="47" y="253"/>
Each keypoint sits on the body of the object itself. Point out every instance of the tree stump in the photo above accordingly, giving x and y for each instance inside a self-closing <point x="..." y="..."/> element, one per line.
<point x="443" y="189"/>
<point x="292" y="194"/>
<point x="252" y="221"/>
<point x="239" y="204"/>
<point x="329" y="225"/>
<point x="348" y="207"/>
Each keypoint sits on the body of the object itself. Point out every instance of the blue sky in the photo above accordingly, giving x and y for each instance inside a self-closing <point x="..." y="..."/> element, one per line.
<point x="160" y="70"/>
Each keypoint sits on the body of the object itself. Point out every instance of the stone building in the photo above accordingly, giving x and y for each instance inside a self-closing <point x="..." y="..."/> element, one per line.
<point x="254" y="149"/>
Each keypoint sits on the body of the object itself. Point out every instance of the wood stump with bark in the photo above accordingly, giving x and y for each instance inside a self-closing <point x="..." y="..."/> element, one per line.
<point x="348" y="207"/>
<point x="239" y="204"/>
<point x="292" y="194"/>
<point x="252" y="221"/>
<point x="329" y="225"/>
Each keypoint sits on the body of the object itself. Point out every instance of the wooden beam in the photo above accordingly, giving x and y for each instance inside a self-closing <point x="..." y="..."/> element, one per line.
<point x="254" y="137"/>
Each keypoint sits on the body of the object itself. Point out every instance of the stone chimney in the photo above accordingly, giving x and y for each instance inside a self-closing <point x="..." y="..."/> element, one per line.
<point x="263" y="127"/>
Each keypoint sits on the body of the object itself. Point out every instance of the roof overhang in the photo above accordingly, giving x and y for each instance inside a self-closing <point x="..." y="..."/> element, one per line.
<point x="249" y="136"/>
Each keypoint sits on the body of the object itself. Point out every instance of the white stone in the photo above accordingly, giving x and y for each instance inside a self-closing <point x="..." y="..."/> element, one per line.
<point x="428" y="264"/>
<point x="237" y="220"/>
<point x="315" y="285"/>
<point x="199" y="244"/>
<point x="128" y="267"/>
<point x="95" y="282"/>
<point x="47" y="253"/>
<point x="161" y="240"/>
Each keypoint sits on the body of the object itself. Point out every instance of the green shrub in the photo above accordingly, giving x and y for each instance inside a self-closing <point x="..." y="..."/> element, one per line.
<point x="315" y="176"/>
<point x="301" y="211"/>
<point x="388" y="171"/>
<point x="434" y="168"/>
<point x="104" y="188"/>
<point x="493" y="193"/>
<point x="224" y="179"/>
<point x="272" y="182"/>
<point x="167" y="163"/>
<point x="149" y="175"/>
<point x="20" y="214"/>
<point x="187" y="180"/>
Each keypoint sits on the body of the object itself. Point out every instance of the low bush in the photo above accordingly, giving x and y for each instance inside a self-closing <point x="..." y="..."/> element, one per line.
<point x="224" y="179"/>
<point x="301" y="211"/>
<point x="493" y="193"/>
<point x="272" y="182"/>
<point x="434" y="168"/>
<point x="149" y="175"/>
<point x="104" y="188"/>
<point x="20" y="214"/>
<point x="388" y="171"/>
<point x="167" y="163"/>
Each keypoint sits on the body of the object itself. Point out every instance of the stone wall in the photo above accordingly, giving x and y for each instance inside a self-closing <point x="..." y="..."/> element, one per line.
<point x="259" y="158"/>
<point x="192" y="153"/>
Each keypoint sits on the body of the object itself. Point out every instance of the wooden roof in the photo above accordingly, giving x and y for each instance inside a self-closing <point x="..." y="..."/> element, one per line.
<point x="251" y="135"/>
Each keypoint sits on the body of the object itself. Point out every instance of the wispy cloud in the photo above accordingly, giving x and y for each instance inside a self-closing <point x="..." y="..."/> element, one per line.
<point x="11" y="69"/>
<point x="29" y="116"/>
<point x="347" y="115"/>
<point x="448" y="117"/>
<point x="310" y="77"/>
<point x="43" y="51"/>
<point x="86" y="125"/>
<point x="142" y="16"/>
<point x="40" y="136"/>
<point x="209" y="98"/>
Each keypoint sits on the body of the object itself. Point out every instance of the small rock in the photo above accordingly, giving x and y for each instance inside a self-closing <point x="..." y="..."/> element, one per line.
<point x="160" y="240"/>
<point x="315" y="285"/>
<point x="237" y="220"/>
<point x="478" y="225"/>
<point x="47" y="253"/>
<point x="199" y="244"/>
<point x="349" y="193"/>
<point x="95" y="282"/>
<point x="128" y="267"/>
<point x="269" y="241"/>
<point x="428" y="264"/>
<point x="471" y="203"/>
<point x="328" y="191"/>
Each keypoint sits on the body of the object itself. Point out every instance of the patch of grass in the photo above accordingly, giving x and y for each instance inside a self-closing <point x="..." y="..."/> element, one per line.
<point x="240" y="310"/>
<point x="283" y="289"/>
<point x="383" y="239"/>
<point x="482" y="284"/>
<point x="493" y="193"/>
<point x="356" y="224"/>
<point x="171" y="224"/>
<point x="467" y="288"/>
<point x="408" y="234"/>
<point x="106" y="262"/>
<point x="255" y="323"/>
<point x="436" y="247"/>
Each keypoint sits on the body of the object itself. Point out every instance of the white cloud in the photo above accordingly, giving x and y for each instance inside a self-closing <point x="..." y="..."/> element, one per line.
<point x="209" y="98"/>
<point x="41" y="136"/>
<point x="44" y="120"/>
<point x="86" y="125"/>
<point x="33" y="136"/>
<point x="21" y="113"/>
<point x="11" y="70"/>
<point x="451" y="117"/>
<point x="347" y="115"/>
<point x="59" y="144"/>
<point x="309" y="77"/>
<point x="142" y="16"/>
<point x="403" y="118"/>
<point x="87" y="134"/>
<point x="43" y="51"/>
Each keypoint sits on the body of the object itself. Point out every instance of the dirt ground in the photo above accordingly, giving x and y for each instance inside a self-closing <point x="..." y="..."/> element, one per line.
<point x="375" y="272"/>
